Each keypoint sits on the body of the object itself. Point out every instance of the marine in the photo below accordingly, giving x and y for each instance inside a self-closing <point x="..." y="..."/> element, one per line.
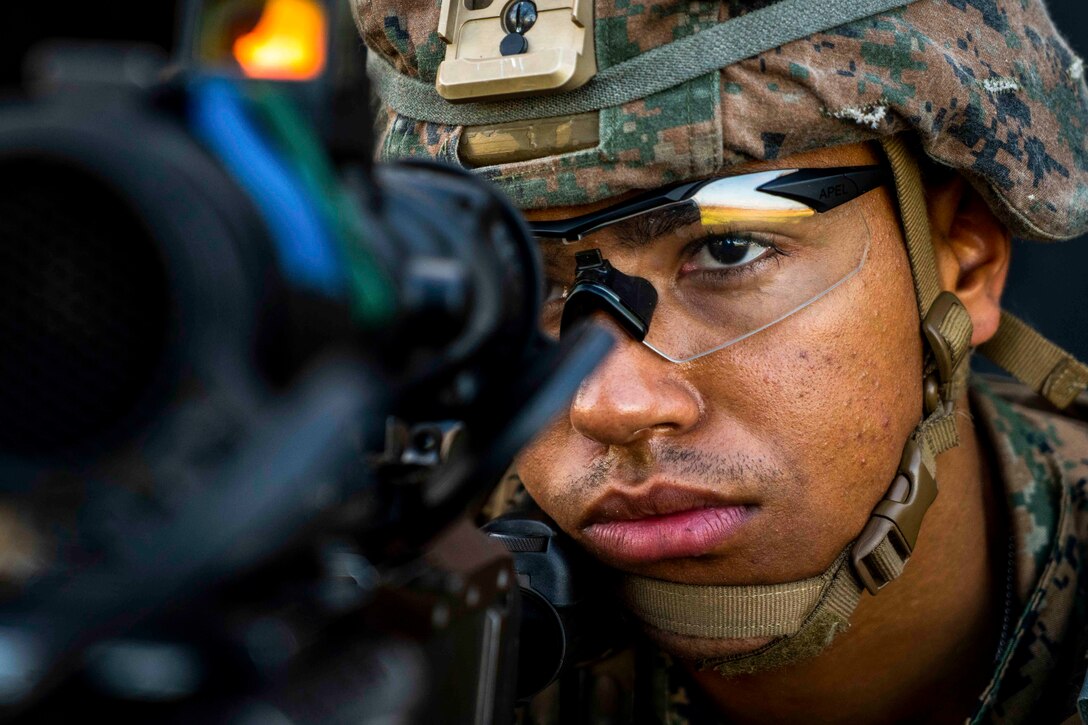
<point x="795" y="217"/>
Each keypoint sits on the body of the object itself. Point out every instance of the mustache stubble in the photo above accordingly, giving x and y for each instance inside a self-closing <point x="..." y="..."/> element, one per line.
<point x="749" y="475"/>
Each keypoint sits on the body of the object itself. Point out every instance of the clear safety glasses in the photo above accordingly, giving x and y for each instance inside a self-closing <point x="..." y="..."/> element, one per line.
<point x="694" y="268"/>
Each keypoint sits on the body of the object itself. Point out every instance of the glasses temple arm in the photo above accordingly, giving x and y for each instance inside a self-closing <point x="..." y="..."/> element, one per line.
<point x="574" y="229"/>
<point x="825" y="189"/>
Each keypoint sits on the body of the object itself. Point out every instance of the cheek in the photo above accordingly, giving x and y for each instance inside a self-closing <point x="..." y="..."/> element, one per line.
<point x="832" y="394"/>
<point x="547" y="468"/>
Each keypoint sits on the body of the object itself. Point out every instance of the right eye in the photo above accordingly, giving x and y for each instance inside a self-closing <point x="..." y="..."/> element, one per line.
<point x="728" y="252"/>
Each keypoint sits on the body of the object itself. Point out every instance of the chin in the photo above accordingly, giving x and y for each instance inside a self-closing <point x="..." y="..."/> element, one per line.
<point x="697" y="648"/>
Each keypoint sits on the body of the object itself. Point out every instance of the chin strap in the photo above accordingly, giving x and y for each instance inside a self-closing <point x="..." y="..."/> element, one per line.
<point x="742" y="612"/>
<point x="804" y="616"/>
<point x="882" y="549"/>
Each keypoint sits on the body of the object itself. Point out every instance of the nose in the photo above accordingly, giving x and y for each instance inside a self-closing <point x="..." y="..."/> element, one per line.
<point x="633" y="395"/>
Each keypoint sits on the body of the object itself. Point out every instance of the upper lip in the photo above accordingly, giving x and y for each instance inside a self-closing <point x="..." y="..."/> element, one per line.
<point x="651" y="500"/>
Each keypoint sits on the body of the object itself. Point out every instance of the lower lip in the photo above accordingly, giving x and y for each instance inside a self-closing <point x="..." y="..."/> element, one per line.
<point x="687" y="533"/>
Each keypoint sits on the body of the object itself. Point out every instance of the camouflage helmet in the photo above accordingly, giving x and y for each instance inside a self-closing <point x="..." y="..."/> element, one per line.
<point x="988" y="87"/>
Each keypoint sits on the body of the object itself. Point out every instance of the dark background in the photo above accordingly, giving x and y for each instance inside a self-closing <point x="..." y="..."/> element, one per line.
<point x="1047" y="284"/>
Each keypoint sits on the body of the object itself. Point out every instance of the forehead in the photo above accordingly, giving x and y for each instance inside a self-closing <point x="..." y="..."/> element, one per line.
<point x="859" y="154"/>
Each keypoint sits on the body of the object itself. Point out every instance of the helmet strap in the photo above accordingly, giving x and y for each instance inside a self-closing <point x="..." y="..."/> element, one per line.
<point x="804" y="615"/>
<point x="1035" y="361"/>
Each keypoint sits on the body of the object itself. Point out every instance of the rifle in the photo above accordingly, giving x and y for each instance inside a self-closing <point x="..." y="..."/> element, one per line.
<point x="254" y="391"/>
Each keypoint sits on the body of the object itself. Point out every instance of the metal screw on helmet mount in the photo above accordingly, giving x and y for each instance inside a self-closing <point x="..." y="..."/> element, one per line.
<point x="520" y="17"/>
<point x="517" y="19"/>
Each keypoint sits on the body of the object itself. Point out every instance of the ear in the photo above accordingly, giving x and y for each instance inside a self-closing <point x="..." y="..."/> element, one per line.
<point x="972" y="248"/>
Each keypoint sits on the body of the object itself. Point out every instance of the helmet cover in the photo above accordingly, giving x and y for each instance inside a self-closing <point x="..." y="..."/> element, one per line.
<point x="989" y="87"/>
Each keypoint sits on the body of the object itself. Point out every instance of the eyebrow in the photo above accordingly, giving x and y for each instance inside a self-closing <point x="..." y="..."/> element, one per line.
<point x="642" y="230"/>
<point x="637" y="232"/>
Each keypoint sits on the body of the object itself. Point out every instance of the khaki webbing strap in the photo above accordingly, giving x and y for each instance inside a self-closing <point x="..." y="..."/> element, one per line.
<point x="728" y="612"/>
<point x="656" y="70"/>
<point x="936" y="434"/>
<point x="947" y="328"/>
<point x="717" y="612"/>
<point x="915" y="218"/>
<point x="945" y="322"/>
<point x="956" y="328"/>
<point x="830" y="616"/>
<point x="885" y="562"/>
<point x="884" y="546"/>
<point x="1035" y="361"/>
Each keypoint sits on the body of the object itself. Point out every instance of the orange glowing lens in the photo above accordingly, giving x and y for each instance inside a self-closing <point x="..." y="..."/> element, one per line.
<point x="289" y="42"/>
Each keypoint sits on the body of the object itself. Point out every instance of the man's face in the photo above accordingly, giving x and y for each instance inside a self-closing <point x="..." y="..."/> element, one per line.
<point x="758" y="463"/>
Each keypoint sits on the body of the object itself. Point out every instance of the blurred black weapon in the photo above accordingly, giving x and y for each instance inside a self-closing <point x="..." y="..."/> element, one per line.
<point x="247" y="393"/>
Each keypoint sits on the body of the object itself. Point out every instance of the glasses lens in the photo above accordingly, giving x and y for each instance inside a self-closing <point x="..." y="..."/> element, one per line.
<point x="725" y="265"/>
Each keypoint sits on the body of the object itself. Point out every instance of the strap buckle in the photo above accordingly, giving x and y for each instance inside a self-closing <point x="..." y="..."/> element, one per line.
<point x="897" y="520"/>
<point x="947" y="329"/>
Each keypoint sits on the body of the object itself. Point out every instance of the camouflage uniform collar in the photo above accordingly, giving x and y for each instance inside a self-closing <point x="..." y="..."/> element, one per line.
<point x="1040" y="480"/>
